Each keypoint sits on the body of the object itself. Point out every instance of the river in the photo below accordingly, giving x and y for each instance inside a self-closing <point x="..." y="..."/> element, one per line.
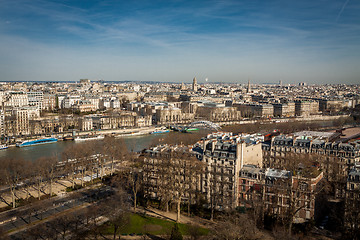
<point x="134" y="143"/>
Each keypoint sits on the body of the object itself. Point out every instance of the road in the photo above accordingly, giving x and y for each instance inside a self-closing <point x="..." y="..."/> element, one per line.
<point x="17" y="220"/>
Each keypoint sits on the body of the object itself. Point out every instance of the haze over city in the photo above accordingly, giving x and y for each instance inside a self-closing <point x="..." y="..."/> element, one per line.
<point x="173" y="41"/>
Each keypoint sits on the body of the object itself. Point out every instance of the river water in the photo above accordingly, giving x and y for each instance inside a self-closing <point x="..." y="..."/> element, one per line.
<point x="134" y="143"/>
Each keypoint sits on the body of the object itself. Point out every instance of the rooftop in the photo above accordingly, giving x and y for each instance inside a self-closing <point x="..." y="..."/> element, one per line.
<point x="276" y="173"/>
<point x="314" y="134"/>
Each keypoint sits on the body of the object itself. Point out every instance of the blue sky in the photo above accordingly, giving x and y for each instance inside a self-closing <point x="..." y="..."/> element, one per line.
<point x="224" y="41"/>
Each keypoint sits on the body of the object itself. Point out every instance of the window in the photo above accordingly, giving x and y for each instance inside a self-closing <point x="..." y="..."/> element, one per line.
<point x="304" y="186"/>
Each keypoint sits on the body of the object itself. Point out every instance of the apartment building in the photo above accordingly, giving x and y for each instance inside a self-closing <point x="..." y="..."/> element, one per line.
<point x="49" y="102"/>
<point x="224" y="155"/>
<point x="291" y="196"/>
<point x="86" y="124"/>
<point x="171" y="174"/>
<point x="168" y="115"/>
<point x="284" y="109"/>
<point x="2" y="123"/>
<point x="251" y="180"/>
<point x="22" y="121"/>
<point x="352" y="200"/>
<point x="36" y="99"/>
<point x="306" y="107"/>
<point x="279" y="192"/>
<point x="218" y="114"/>
<point x="16" y="99"/>
<point x="324" y="149"/>
<point x="83" y="106"/>
<point x="255" y="110"/>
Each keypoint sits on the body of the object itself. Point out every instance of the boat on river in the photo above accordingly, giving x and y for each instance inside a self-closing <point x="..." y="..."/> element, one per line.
<point x="160" y="131"/>
<point x="3" y="146"/>
<point x="68" y="138"/>
<point x="29" y="143"/>
<point x="185" y="130"/>
<point x="89" y="137"/>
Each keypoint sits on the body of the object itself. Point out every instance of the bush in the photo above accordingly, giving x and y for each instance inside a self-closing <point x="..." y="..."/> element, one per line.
<point x="76" y="187"/>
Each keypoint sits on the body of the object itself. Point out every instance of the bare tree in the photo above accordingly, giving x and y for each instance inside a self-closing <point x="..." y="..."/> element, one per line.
<point x="165" y="181"/>
<point x="69" y="157"/>
<point x="352" y="214"/>
<point x="12" y="172"/>
<point x="176" y="138"/>
<point x="39" y="174"/>
<point x="235" y="226"/>
<point x="28" y="174"/>
<point x="134" y="178"/>
<point x="186" y="170"/>
<point x="52" y="170"/>
<point x="114" y="148"/>
<point x="116" y="209"/>
<point x="64" y="225"/>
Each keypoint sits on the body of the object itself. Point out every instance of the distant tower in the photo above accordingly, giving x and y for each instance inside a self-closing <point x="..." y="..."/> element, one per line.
<point x="280" y="82"/>
<point x="182" y="86"/>
<point x="194" y="86"/>
<point x="248" y="87"/>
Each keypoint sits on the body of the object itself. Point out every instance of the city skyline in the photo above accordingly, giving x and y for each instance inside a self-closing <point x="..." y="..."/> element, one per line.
<point x="173" y="41"/>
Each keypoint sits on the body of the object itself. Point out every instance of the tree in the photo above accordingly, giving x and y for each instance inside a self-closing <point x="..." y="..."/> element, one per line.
<point x="51" y="173"/>
<point x="175" y="138"/>
<point x="116" y="209"/>
<point x="12" y="173"/>
<point x="114" y="148"/>
<point x="39" y="174"/>
<point x="352" y="213"/>
<point x="235" y="226"/>
<point x="186" y="171"/>
<point x="64" y="224"/>
<point x="134" y="178"/>
<point x="175" y="233"/>
<point x="77" y="159"/>
<point x="164" y="182"/>
<point x="194" y="232"/>
<point x="70" y="156"/>
<point x="171" y="174"/>
<point x="28" y="174"/>
<point x="297" y="190"/>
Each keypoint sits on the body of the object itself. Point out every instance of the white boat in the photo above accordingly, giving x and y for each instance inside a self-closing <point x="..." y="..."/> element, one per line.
<point x="89" y="137"/>
<point x="3" y="147"/>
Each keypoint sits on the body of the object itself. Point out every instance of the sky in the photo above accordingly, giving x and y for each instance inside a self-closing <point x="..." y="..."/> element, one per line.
<point x="315" y="41"/>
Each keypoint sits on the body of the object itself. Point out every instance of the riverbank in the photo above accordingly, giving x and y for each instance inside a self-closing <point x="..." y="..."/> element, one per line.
<point x="112" y="132"/>
<point x="146" y="130"/>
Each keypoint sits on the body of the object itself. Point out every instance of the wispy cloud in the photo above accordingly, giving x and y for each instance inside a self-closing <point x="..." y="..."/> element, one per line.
<point x="172" y="35"/>
<point x="342" y="9"/>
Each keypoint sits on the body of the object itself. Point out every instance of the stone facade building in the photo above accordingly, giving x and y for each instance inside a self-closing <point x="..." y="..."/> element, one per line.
<point x="284" y="109"/>
<point x="352" y="200"/>
<point x="218" y="114"/>
<point x="16" y="99"/>
<point x="223" y="156"/>
<point x="306" y="107"/>
<point x="335" y="158"/>
<point x="169" y="116"/>
<point x="22" y="121"/>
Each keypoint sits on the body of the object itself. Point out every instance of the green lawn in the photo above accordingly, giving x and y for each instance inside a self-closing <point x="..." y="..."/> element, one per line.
<point x="140" y="224"/>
